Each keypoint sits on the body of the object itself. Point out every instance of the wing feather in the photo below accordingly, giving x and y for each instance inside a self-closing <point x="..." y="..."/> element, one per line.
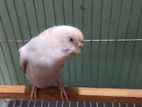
<point x="23" y="63"/>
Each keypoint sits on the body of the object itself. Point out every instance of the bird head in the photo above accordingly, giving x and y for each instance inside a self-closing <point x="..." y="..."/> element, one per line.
<point x="70" y="38"/>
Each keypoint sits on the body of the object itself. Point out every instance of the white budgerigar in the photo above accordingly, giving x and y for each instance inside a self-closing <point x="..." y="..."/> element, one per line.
<point x="43" y="57"/>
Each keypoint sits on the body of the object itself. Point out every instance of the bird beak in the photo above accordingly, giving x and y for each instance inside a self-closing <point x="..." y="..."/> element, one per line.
<point x="80" y="45"/>
<point x="78" y="48"/>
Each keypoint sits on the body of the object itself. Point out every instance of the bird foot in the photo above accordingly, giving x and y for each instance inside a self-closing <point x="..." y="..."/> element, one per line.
<point x="34" y="93"/>
<point x="63" y="93"/>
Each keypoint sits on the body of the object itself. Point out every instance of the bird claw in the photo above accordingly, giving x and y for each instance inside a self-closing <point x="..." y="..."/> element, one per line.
<point x="63" y="93"/>
<point x="34" y="93"/>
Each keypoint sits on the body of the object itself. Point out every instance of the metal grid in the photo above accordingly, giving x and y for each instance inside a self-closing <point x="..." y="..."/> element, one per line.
<point x="86" y="22"/>
<point x="45" y="103"/>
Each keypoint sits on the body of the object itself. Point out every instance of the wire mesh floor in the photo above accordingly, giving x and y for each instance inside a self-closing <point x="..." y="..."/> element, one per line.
<point x="46" y="103"/>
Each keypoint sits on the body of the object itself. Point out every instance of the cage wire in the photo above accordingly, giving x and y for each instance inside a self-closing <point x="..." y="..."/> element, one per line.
<point x="112" y="47"/>
<point x="44" y="103"/>
<point x="56" y="103"/>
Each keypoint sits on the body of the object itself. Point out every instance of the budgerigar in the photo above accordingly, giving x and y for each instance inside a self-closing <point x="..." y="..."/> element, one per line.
<point x="43" y="57"/>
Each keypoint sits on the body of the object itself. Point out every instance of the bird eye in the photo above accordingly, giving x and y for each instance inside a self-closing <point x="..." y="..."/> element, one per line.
<point x="71" y="39"/>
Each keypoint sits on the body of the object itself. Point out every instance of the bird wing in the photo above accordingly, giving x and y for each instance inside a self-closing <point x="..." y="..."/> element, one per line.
<point x="23" y="63"/>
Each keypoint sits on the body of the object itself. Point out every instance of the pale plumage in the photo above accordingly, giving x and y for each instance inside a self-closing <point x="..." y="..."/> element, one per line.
<point x="42" y="58"/>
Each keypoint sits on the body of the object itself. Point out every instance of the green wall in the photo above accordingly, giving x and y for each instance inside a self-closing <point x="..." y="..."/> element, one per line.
<point x="105" y="62"/>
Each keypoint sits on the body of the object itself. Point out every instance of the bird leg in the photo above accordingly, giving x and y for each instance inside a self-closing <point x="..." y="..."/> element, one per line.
<point x="34" y="93"/>
<point x="63" y="92"/>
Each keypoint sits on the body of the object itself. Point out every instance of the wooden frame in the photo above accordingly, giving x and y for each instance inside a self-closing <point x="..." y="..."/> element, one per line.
<point x="75" y="94"/>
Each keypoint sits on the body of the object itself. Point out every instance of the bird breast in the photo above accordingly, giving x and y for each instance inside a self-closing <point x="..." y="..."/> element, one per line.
<point x="42" y="75"/>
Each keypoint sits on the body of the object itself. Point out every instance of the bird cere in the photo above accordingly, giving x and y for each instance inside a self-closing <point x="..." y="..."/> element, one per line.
<point x="43" y="57"/>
